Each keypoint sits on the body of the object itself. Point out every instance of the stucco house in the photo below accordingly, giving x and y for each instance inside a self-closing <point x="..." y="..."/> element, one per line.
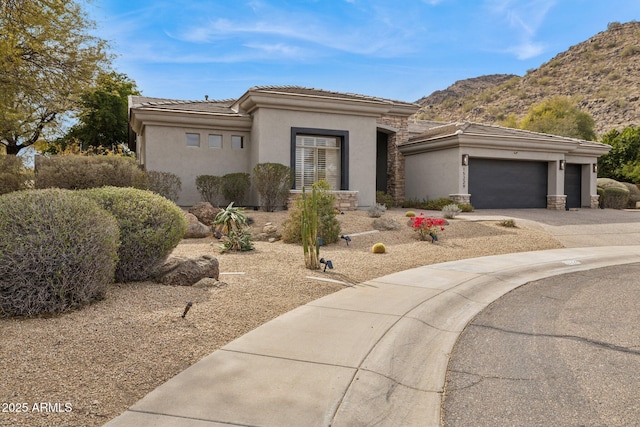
<point x="495" y="167"/>
<point x="360" y="144"/>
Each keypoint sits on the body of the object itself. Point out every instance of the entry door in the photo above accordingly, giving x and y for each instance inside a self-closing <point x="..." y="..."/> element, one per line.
<point x="507" y="184"/>
<point x="573" y="185"/>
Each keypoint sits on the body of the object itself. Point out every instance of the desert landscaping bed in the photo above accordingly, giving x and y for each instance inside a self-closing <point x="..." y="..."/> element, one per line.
<point x="90" y="365"/>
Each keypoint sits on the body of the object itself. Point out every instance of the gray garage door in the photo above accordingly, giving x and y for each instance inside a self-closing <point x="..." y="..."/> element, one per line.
<point x="507" y="184"/>
<point x="573" y="185"/>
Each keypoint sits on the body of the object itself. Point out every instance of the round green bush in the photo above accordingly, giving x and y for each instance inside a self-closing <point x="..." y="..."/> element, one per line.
<point x="151" y="226"/>
<point x="58" y="252"/>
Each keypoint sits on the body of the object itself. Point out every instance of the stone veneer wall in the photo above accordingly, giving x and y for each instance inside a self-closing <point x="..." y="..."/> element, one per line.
<point x="464" y="199"/>
<point x="395" y="159"/>
<point x="557" y="202"/>
<point x="345" y="200"/>
<point x="595" y="201"/>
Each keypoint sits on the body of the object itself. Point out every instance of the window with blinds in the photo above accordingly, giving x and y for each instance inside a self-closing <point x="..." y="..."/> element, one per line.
<point x="317" y="157"/>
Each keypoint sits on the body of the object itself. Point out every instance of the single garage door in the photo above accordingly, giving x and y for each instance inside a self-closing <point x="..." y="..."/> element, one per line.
<point x="507" y="184"/>
<point x="573" y="185"/>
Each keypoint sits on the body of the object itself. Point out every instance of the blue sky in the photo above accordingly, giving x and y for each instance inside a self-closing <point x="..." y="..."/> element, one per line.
<point x="398" y="49"/>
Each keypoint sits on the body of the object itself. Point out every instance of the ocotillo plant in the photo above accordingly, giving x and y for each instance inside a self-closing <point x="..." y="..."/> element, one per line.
<point x="310" y="244"/>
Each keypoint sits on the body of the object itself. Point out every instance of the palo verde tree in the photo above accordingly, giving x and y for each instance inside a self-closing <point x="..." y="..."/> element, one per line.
<point x="103" y="119"/>
<point x="47" y="59"/>
<point x="559" y="116"/>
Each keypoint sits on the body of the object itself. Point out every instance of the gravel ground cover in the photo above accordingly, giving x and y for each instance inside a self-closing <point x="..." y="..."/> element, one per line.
<point x="86" y="367"/>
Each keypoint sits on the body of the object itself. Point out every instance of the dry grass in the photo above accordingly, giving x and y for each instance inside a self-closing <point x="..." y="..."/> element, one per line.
<point x="105" y="357"/>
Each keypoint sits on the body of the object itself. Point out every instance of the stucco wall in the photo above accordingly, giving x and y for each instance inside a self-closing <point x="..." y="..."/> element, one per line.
<point x="171" y="154"/>
<point x="272" y="128"/>
<point x="433" y="174"/>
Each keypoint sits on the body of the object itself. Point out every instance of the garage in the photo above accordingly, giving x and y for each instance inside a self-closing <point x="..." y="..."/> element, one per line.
<point x="507" y="184"/>
<point x="573" y="185"/>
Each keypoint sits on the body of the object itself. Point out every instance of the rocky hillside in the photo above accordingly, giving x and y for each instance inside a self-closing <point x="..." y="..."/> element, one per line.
<point x="602" y="74"/>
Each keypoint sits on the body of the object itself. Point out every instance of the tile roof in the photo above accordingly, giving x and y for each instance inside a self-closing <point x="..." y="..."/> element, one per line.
<point x="199" y="106"/>
<point x="299" y="90"/>
<point x="480" y="129"/>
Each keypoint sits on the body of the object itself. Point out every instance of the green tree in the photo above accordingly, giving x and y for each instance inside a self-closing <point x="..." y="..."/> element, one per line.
<point x="559" y="116"/>
<point x="103" y="119"/>
<point x="622" y="163"/>
<point x="47" y="59"/>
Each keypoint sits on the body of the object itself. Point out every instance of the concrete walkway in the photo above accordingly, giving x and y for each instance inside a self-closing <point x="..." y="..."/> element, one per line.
<point x="373" y="354"/>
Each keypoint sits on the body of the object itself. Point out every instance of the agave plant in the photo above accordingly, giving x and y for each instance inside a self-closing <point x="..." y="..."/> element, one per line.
<point x="234" y="225"/>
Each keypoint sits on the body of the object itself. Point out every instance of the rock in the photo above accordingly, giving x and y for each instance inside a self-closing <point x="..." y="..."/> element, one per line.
<point x="205" y="212"/>
<point x="210" y="283"/>
<point x="184" y="271"/>
<point x="269" y="234"/>
<point x="384" y="223"/>
<point x="195" y="229"/>
<point x="270" y="229"/>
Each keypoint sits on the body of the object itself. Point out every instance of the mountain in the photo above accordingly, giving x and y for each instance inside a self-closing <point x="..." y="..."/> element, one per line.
<point x="601" y="73"/>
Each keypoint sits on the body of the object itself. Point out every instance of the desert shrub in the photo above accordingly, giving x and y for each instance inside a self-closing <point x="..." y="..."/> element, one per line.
<point x="508" y="223"/>
<point x="166" y="184"/>
<point x="615" y="198"/>
<point x="410" y="214"/>
<point x="150" y="227"/>
<point x="76" y="172"/>
<point x="465" y="207"/>
<point x="273" y="182"/>
<point x="13" y="175"/>
<point x="235" y="186"/>
<point x="210" y="188"/>
<point x="384" y="199"/>
<point x="377" y="210"/>
<point x="426" y="204"/>
<point x="600" y="192"/>
<point x="383" y="224"/>
<point x="378" y="248"/>
<point x="232" y="221"/>
<point x="328" y="227"/>
<point x="413" y="203"/>
<point x="437" y="204"/>
<point x="451" y="210"/>
<point x="58" y="252"/>
<point x="634" y="194"/>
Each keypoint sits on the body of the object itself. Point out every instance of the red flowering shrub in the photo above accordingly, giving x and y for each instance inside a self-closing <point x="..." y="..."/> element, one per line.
<point x="427" y="226"/>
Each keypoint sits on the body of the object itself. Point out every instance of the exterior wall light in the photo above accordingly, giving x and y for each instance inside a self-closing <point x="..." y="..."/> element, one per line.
<point x="465" y="160"/>
<point x="561" y="165"/>
<point x="595" y="168"/>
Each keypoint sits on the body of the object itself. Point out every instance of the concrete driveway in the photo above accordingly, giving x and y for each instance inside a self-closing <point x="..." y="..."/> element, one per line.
<point x="576" y="228"/>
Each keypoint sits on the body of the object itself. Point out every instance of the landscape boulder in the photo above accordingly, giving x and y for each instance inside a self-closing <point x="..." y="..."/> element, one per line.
<point x="205" y="212"/>
<point x="195" y="229"/>
<point x="185" y="271"/>
<point x="269" y="233"/>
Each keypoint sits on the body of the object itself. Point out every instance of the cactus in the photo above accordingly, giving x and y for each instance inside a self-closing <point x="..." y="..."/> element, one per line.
<point x="378" y="248"/>
<point x="309" y="231"/>
<point x="410" y="214"/>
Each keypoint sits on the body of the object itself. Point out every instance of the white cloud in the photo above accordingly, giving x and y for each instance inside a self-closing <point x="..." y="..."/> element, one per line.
<point x="362" y="30"/>
<point x="523" y="18"/>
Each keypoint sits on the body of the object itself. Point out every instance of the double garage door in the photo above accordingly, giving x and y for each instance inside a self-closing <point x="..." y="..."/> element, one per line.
<point x="515" y="184"/>
<point x="507" y="184"/>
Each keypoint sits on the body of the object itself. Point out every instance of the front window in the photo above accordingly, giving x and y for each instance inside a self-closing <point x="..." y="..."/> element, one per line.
<point x="237" y="142"/>
<point x="193" y="140"/>
<point x="317" y="157"/>
<point x="215" y="141"/>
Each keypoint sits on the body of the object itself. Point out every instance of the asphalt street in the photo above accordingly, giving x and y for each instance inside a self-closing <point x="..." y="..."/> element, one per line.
<point x="563" y="351"/>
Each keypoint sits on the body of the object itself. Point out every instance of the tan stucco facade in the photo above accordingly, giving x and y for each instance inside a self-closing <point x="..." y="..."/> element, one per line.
<point x="435" y="168"/>
<point x="266" y="118"/>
